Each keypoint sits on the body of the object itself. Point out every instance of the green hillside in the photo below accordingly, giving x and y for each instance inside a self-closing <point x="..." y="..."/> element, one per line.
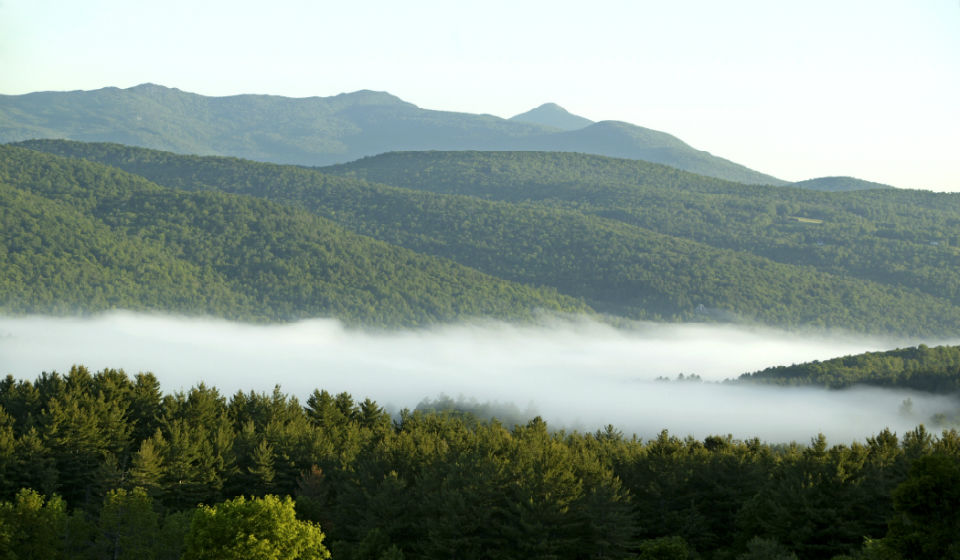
<point x="615" y="263"/>
<point x="320" y="130"/>
<point x="80" y="236"/>
<point x="55" y="259"/>
<point x="923" y="368"/>
<point x="895" y="237"/>
<point x="838" y="184"/>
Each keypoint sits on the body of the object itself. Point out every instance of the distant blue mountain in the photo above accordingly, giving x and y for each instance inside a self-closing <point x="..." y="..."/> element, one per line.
<point x="329" y="130"/>
<point x="551" y="114"/>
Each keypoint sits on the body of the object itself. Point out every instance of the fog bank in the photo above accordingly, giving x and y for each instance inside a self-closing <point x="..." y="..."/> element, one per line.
<point x="575" y="373"/>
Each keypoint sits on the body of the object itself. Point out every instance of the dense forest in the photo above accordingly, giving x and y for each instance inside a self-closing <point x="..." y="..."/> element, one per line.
<point x="104" y="465"/>
<point x="84" y="237"/>
<point x="889" y="236"/>
<point x="626" y="238"/>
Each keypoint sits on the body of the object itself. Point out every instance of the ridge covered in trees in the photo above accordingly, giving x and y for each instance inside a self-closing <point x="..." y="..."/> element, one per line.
<point x="82" y="236"/>
<point x="112" y="465"/>
<point x="627" y="238"/>
<point x="890" y="236"/>
<point x="933" y="369"/>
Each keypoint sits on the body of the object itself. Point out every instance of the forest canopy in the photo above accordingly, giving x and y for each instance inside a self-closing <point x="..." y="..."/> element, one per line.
<point x="95" y="464"/>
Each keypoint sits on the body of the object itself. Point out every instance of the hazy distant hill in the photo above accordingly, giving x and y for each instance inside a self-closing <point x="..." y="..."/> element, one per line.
<point x="321" y="130"/>
<point x="551" y="114"/>
<point x="839" y="184"/>
<point x="670" y="245"/>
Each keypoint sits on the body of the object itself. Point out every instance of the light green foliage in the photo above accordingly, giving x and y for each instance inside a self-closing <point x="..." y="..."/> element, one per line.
<point x="263" y="528"/>
<point x="33" y="527"/>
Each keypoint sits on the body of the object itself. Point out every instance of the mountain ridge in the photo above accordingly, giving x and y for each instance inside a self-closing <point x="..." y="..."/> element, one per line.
<point x="320" y="131"/>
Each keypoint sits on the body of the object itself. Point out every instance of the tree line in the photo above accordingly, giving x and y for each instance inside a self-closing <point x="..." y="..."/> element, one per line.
<point x="924" y="368"/>
<point x="89" y="460"/>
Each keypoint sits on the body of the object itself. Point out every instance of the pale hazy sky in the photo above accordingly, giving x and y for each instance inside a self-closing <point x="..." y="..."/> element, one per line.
<point x="795" y="89"/>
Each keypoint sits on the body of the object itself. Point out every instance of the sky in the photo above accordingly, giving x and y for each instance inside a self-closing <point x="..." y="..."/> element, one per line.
<point x="793" y="89"/>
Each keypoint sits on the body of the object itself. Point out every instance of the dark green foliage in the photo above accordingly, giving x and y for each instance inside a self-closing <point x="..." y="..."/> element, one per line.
<point x="663" y="548"/>
<point x="631" y="239"/>
<point x="441" y="484"/>
<point x="128" y="526"/>
<point x="927" y="504"/>
<point x="766" y="549"/>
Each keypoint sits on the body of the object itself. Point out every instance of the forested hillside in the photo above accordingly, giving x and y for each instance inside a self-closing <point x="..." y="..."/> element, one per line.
<point x="839" y="184"/>
<point x="935" y="369"/>
<point x="894" y="237"/>
<point x="84" y="237"/>
<point x="113" y="465"/>
<point x="631" y="239"/>
<point x="321" y="130"/>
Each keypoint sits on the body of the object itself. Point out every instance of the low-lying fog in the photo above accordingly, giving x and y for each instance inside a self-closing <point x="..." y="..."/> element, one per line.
<point x="577" y="374"/>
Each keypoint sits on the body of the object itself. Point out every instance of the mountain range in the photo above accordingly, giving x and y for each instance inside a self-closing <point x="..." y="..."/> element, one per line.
<point x="327" y="130"/>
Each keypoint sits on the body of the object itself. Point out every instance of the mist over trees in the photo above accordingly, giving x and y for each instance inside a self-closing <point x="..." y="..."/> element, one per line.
<point x="100" y="464"/>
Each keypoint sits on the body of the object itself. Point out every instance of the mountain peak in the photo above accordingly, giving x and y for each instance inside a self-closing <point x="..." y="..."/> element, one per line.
<point x="150" y="87"/>
<point x="553" y="115"/>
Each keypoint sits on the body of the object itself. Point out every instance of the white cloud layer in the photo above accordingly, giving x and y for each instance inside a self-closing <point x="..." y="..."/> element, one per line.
<point x="575" y="373"/>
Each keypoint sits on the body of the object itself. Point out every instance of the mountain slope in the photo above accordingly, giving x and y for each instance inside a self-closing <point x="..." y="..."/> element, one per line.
<point x="54" y="259"/>
<point x="617" y="267"/>
<point x="80" y="236"/>
<point x="896" y="237"/>
<point x="320" y="131"/>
